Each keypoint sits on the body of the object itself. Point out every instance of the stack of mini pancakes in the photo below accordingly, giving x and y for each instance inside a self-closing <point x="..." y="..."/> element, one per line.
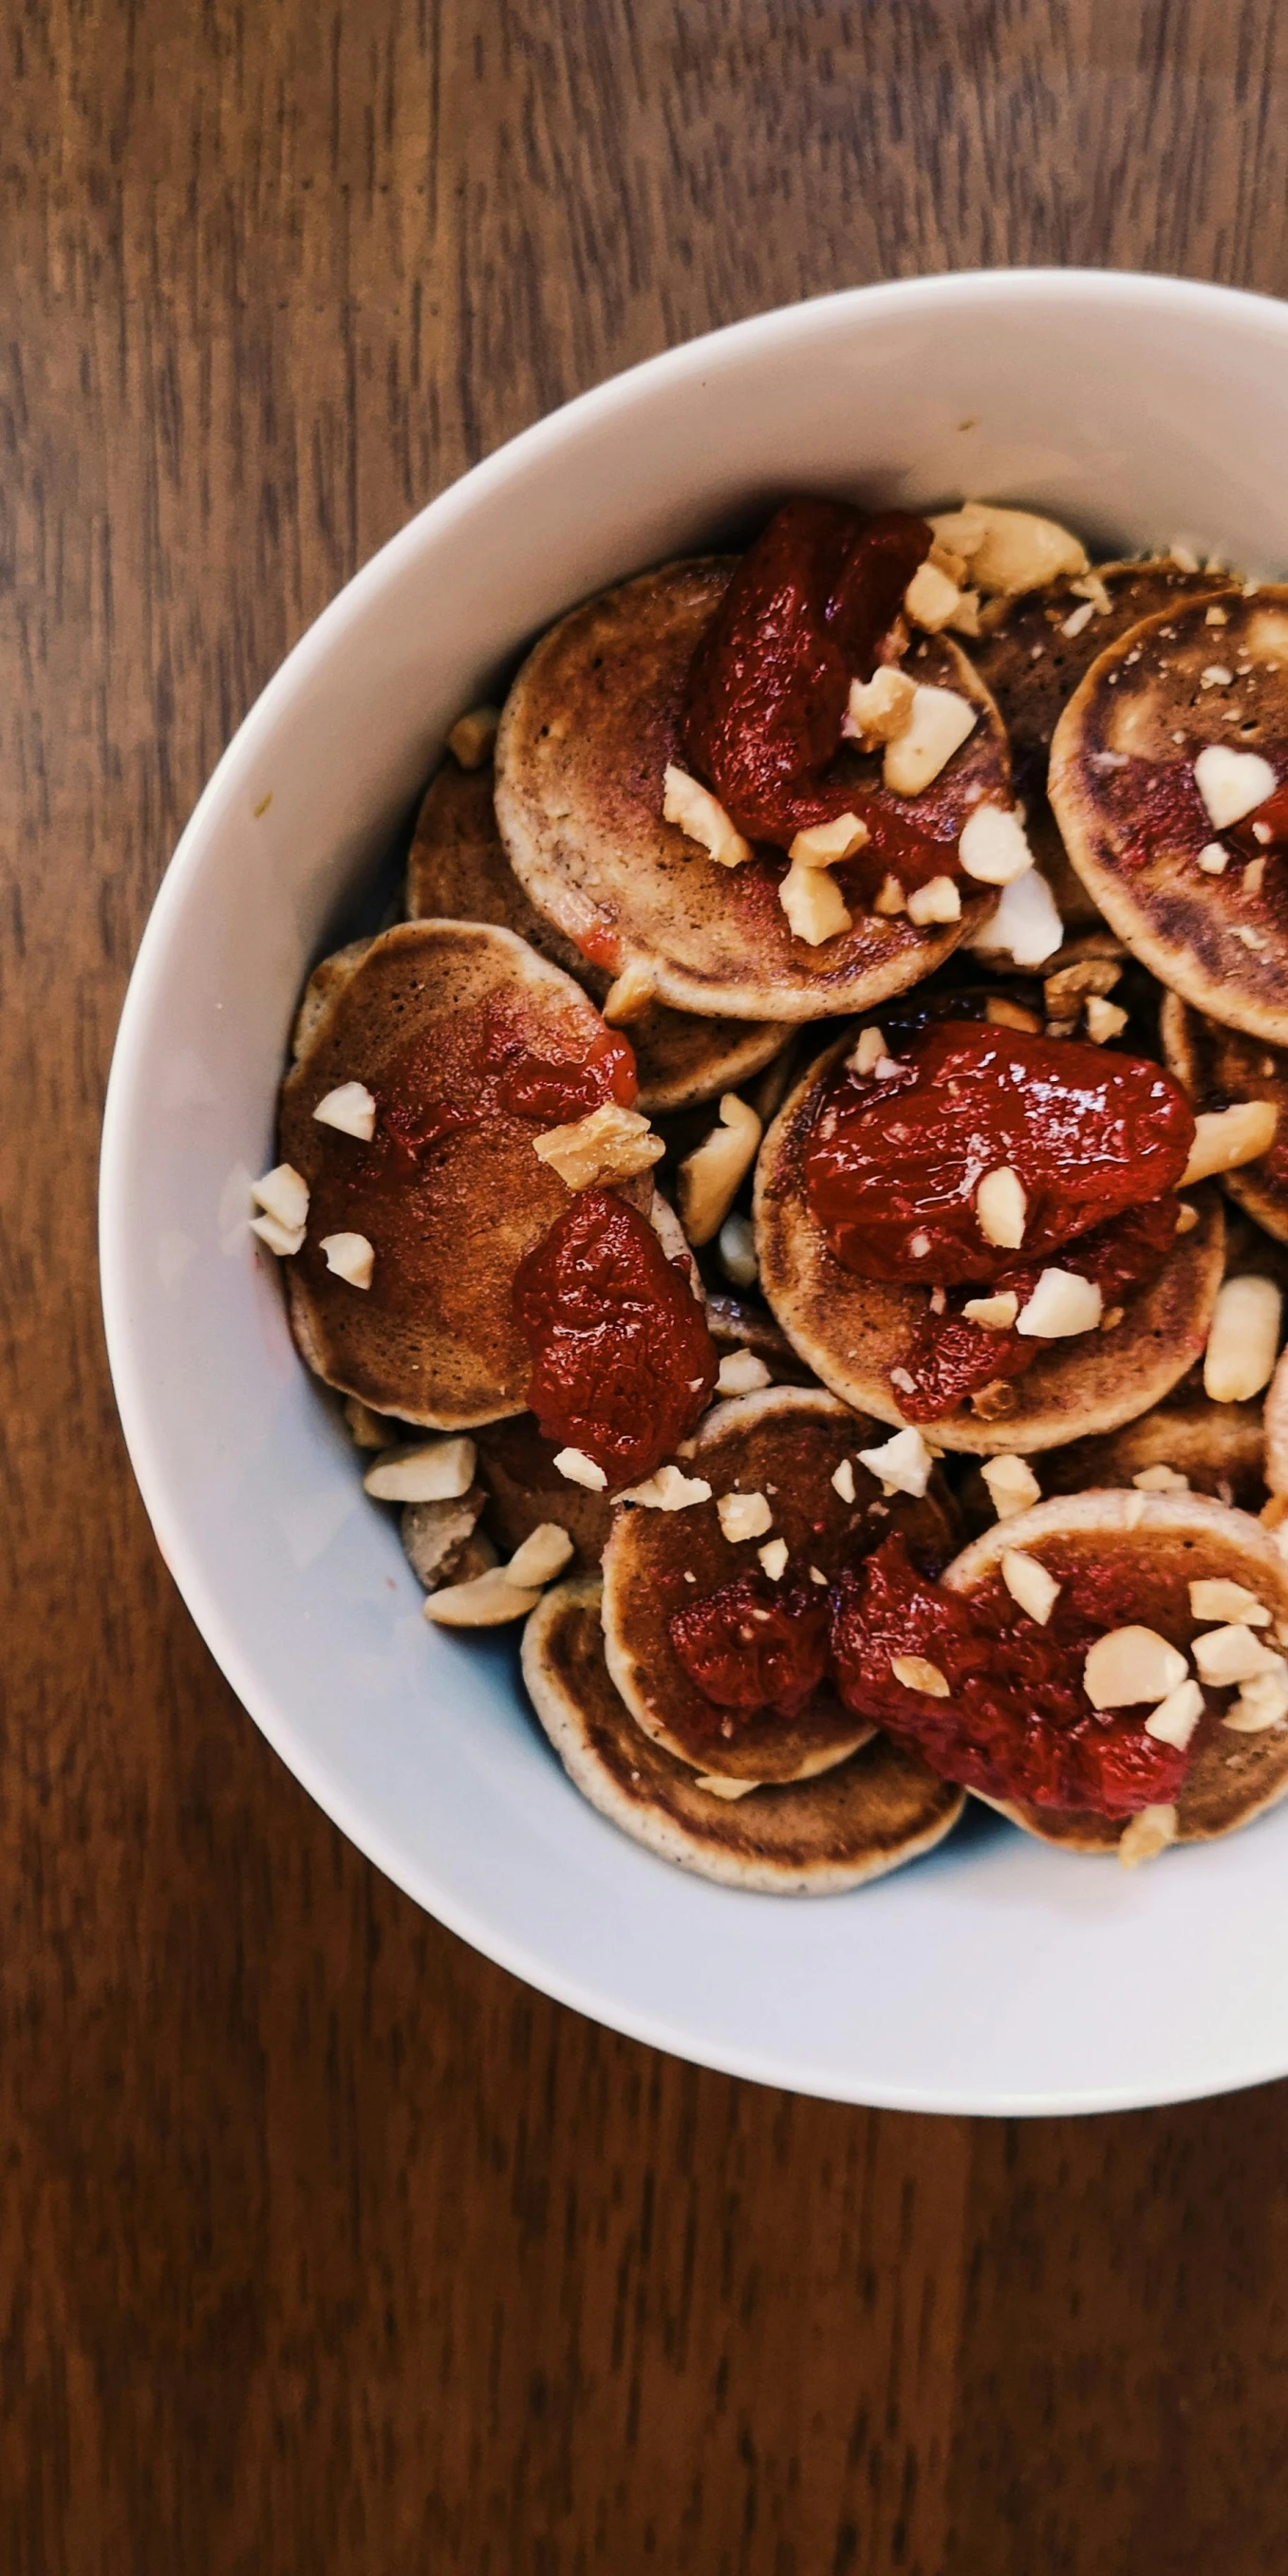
<point x="542" y="871"/>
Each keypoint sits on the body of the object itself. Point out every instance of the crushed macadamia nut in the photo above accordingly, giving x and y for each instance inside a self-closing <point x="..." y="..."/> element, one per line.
<point x="937" y="900"/>
<point x="709" y="1179"/>
<point x="426" y="1471"/>
<point x="1001" y="1208"/>
<point x="702" y="818"/>
<point x="668" y="1489"/>
<point x="1146" y="1834"/>
<point x="917" y="1673"/>
<point x="1232" y="783"/>
<point x="1012" y="1485"/>
<point x="489" y="1601"/>
<point x="608" y="1144"/>
<point x="1213" y="1596"/>
<point x="1063" y="1303"/>
<point x="941" y="721"/>
<point x="879" y="708"/>
<point x="283" y="1194"/>
<point x="1243" y="1343"/>
<point x="903" y="1464"/>
<point x="1026" y="926"/>
<point x="580" y="1470"/>
<point x="1132" y="1664"/>
<point x="741" y="1373"/>
<point x="1030" y="1586"/>
<point x="351" y="1108"/>
<point x="543" y="1554"/>
<point x="1226" y="1139"/>
<point x="350" y="1256"/>
<point x="743" y="1516"/>
<point x="816" y="909"/>
<point x="931" y="599"/>
<point x="629" y="997"/>
<point x="1175" y="1718"/>
<point x="824" y="845"/>
<point x="1006" y="551"/>
<point x="472" y="736"/>
<point x="993" y="848"/>
<point x="773" y="1558"/>
<point x="737" y="1249"/>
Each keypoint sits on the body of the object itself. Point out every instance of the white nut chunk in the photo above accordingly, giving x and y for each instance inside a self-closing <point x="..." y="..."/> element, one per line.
<point x="1026" y="926"/>
<point x="541" y="1556"/>
<point x="741" y="1373"/>
<point x="701" y="817"/>
<point x="868" y="1054"/>
<point x="1160" y="1480"/>
<point x="903" y="1464"/>
<point x="879" y="708"/>
<point x="281" y="1239"/>
<point x="668" y="1489"/>
<point x="351" y="1108"/>
<point x="773" y="1557"/>
<point x="738" y="1251"/>
<point x="1146" y="1834"/>
<point x="580" y="1470"/>
<point x="1030" y="1586"/>
<point x="1175" y="1718"/>
<point x="993" y="848"/>
<point x="931" y="600"/>
<point x="843" y="1480"/>
<point x="936" y="900"/>
<point x="1009" y="551"/>
<point x="816" y="909"/>
<point x="630" y="996"/>
<point x="743" y="1516"/>
<point x="1104" y="1019"/>
<point x="1243" y="1343"/>
<point x="1232" y="783"/>
<point x="283" y="1194"/>
<point x="824" y="845"/>
<point x="428" y="1471"/>
<point x="1225" y="1656"/>
<point x="1224" y="1139"/>
<point x="1132" y="1664"/>
<point x="941" y="721"/>
<point x="489" y="1601"/>
<point x="472" y="736"/>
<point x="608" y="1144"/>
<point x="997" y="1314"/>
<point x="1012" y="1485"/>
<point x="1262" y="1702"/>
<point x="1213" y="1596"/>
<point x="917" y="1673"/>
<point x="709" y="1179"/>
<point x="1001" y="1207"/>
<point x="1061" y="1304"/>
<point x="350" y="1256"/>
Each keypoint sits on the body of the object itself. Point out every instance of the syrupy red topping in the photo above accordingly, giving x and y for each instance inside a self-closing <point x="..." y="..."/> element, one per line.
<point x="1155" y="809"/>
<point x="476" y="1065"/>
<point x="1017" y="1723"/>
<point x="807" y="611"/>
<point x="754" y="1645"/>
<point x="950" y="1358"/>
<point x="622" y="1362"/>
<point x="1266" y="830"/>
<point x="892" y="1167"/>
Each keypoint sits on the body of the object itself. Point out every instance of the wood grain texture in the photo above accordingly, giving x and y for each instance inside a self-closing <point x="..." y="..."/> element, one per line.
<point x="322" y="2244"/>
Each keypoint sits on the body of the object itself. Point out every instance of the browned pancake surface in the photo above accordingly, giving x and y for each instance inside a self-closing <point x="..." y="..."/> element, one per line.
<point x="433" y="1338"/>
<point x="850" y="1331"/>
<point x="1218" y="1448"/>
<point x="525" y="1490"/>
<point x="880" y="1808"/>
<point x="1121" y="787"/>
<point x="457" y="870"/>
<point x="1218" y="1066"/>
<point x="589" y="727"/>
<point x="1169" y="1539"/>
<point x="786" y="1444"/>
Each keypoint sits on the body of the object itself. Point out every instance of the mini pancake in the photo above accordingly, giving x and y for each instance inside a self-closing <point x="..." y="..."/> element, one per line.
<point x="868" y="1816"/>
<point x="850" y="1331"/>
<point x="327" y="979"/>
<point x="432" y="1339"/>
<point x="1172" y="1538"/>
<point x="525" y="1489"/>
<point x="1218" y="1066"/>
<point x="736" y="1325"/>
<point x="589" y="727"/>
<point x="1218" y="1448"/>
<point x="457" y="870"/>
<point x="1123" y="792"/>
<point x="785" y="1443"/>
<point x="1033" y="668"/>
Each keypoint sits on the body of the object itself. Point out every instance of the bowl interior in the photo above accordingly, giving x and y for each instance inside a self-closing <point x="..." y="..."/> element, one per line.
<point x="990" y="1977"/>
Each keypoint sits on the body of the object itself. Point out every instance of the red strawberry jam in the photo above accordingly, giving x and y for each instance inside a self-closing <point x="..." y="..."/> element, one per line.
<point x="1266" y="829"/>
<point x="1017" y="1723"/>
<point x="754" y="1645"/>
<point x="622" y="1362"/>
<point x="476" y="1066"/>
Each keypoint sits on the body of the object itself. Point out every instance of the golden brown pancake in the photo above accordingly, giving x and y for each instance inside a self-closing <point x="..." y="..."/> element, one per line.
<point x="324" y="983"/>
<point x="432" y="1339"/>
<point x="1217" y="1066"/>
<point x="525" y="1489"/>
<point x="1033" y="668"/>
<point x="871" y="1814"/>
<point x="1218" y="1448"/>
<point x="457" y="870"/>
<point x="589" y="727"/>
<point x="785" y="1443"/>
<point x="1123" y="793"/>
<point x="850" y="1331"/>
<point x="1275" y="1429"/>
<point x="1171" y="1538"/>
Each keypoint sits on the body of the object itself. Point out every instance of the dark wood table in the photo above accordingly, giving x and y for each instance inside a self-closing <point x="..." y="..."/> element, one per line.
<point x="325" y="2245"/>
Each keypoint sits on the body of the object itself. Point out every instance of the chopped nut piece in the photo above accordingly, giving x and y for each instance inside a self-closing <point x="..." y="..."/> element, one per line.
<point x="1070" y="985"/>
<point x="824" y="845"/>
<point x="931" y="600"/>
<point x="717" y="1784"/>
<point x="608" y="1144"/>
<point x="1215" y="676"/>
<point x="1187" y="1217"/>
<point x="916" y="1673"/>
<point x="889" y="900"/>
<point x="490" y="1601"/>
<point x="1253" y="875"/>
<point x="938" y="900"/>
<point x="1062" y="1303"/>
<point x="442" y="1541"/>
<point x="773" y="1557"/>
<point x="1175" y="1718"/>
<point x="351" y="1108"/>
<point x="1104" y="1020"/>
<point x="709" y="1179"/>
<point x="965" y="616"/>
<point x="1217" y="616"/>
<point x="996" y="1313"/>
<point x="1092" y="587"/>
<point x="1112" y="1318"/>
<point x="281" y="1239"/>
<point x="580" y="1470"/>
<point x="1030" y="1586"/>
<point x="543" y="1554"/>
<point x="668" y="1490"/>
<point x="903" y="1464"/>
<point x="741" y="1373"/>
<point x="737" y="1249"/>
<point x="993" y="1402"/>
<point x="1262" y="1702"/>
<point x="701" y="817"/>
<point x="743" y="1516"/>
<point x="472" y="736"/>
<point x="1026" y="926"/>
<point x="868" y="1053"/>
<point x="1160" y="1480"/>
<point x="1234" y="1654"/>
<point x="843" y="1481"/>
<point x="1002" y="1013"/>
<point x="1012" y="1485"/>
<point x="1146" y="1834"/>
<point x="879" y="708"/>
<point x="1077" y="618"/>
<point x="367" y="1430"/>
<point x="1214" y="859"/>
<point x="993" y="848"/>
<point x="1213" y="1596"/>
<point x="283" y="1194"/>
<point x="1009" y="551"/>
<point x="1232" y="783"/>
<point x="815" y="907"/>
<point x="1243" y="1343"/>
<point x="1131" y="1664"/>
<point x="1001" y="1207"/>
<point x="430" y="1471"/>
<point x="350" y="1256"/>
<point x="629" y="997"/>
<point x="940" y="723"/>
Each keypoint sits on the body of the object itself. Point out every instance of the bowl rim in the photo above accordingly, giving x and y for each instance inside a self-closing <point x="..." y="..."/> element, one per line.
<point x="989" y="288"/>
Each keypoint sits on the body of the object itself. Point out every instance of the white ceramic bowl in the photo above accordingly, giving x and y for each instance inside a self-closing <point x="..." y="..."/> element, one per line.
<point x="995" y="1976"/>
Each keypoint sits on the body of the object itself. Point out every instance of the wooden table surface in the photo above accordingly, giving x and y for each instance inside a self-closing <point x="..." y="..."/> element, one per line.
<point x="323" y="2245"/>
